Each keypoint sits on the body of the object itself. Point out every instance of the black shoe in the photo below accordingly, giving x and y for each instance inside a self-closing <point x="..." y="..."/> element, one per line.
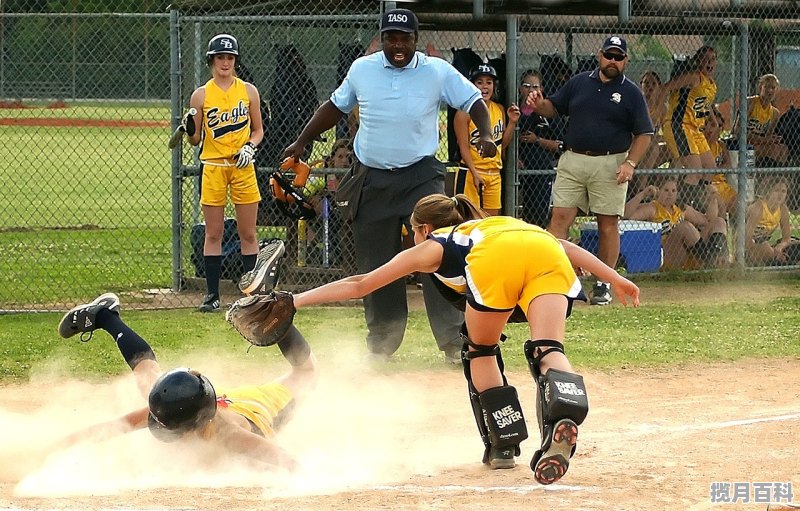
<point x="264" y="276"/>
<point x="452" y="356"/>
<point x="210" y="304"/>
<point x="502" y="457"/>
<point x="550" y="463"/>
<point x="83" y="318"/>
<point x="601" y="294"/>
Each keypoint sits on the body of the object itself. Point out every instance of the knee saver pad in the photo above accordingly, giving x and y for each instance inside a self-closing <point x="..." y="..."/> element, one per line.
<point x="503" y="416"/>
<point x="562" y="395"/>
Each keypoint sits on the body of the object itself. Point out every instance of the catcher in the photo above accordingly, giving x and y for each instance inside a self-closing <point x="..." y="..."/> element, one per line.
<point x="472" y="260"/>
<point x="183" y="403"/>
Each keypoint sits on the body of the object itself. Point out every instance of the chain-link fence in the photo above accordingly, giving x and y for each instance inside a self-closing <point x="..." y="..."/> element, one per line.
<point x="93" y="200"/>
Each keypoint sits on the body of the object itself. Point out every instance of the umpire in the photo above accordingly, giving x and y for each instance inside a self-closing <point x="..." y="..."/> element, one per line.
<point x="398" y="92"/>
<point x="608" y="133"/>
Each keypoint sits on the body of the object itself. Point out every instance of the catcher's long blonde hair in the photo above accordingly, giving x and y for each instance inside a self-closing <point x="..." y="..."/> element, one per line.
<point x="439" y="210"/>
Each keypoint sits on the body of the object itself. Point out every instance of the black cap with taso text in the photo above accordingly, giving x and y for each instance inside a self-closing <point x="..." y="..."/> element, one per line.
<point x="402" y="20"/>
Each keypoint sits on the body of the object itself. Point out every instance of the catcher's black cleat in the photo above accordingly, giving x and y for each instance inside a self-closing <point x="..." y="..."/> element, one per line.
<point x="550" y="463"/>
<point x="210" y="303"/>
<point x="264" y="276"/>
<point x="83" y="318"/>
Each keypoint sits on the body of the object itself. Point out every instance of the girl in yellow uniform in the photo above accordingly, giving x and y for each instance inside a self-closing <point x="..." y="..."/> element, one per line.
<point x="687" y="236"/>
<point x="229" y="117"/>
<point x="764" y="217"/>
<point x="690" y="96"/>
<point x="721" y="188"/>
<point x="499" y="269"/>
<point x="762" y="117"/>
<point x="183" y="404"/>
<point x="479" y="178"/>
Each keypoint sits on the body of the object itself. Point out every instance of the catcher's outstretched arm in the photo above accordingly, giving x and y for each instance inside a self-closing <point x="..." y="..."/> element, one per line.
<point x="425" y="257"/>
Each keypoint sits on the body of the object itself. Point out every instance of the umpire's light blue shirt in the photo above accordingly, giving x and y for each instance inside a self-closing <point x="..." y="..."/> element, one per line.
<point x="399" y="107"/>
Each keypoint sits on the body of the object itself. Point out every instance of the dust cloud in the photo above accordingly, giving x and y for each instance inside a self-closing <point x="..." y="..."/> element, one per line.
<point x="360" y="427"/>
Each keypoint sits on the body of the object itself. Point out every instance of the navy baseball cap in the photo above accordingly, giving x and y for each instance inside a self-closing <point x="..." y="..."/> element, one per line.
<point x="615" y="42"/>
<point x="399" y="19"/>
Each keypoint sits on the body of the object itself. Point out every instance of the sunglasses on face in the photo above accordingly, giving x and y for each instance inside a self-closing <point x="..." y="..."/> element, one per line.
<point x="616" y="57"/>
<point x="530" y="86"/>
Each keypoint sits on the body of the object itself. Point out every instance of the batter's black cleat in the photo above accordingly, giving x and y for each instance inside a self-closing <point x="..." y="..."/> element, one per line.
<point x="263" y="278"/>
<point x="550" y="463"/>
<point x="210" y="303"/>
<point x="83" y="318"/>
<point x="502" y="457"/>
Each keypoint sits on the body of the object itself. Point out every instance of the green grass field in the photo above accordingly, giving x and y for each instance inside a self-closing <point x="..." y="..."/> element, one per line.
<point x="694" y="327"/>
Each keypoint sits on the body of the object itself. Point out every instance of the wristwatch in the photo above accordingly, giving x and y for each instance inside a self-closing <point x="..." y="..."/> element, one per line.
<point x="631" y="163"/>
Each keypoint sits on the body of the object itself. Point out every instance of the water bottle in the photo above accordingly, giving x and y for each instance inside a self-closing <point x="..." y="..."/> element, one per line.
<point x="750" y="162"/>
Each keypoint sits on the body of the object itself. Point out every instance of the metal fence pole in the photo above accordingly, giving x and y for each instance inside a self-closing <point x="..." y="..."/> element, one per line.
<point x="744" y="78"/>
<point x="510" y="179"/>
<point x="177" y="178"/>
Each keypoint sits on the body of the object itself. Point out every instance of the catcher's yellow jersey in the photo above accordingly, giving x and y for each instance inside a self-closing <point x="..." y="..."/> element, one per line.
<point x="691" y="106"/>
<point x="758" y="116"/>
<point x="226" y="120"/>
<point x="497" y="121"/>
<point x="501" y="262"/>
<point x="267" y="407"/>
<point x="770" y="220"/>
<point x="668" y="218"/>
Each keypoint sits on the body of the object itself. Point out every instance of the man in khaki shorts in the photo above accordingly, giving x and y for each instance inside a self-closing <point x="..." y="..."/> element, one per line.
<point x="608" y="133"/>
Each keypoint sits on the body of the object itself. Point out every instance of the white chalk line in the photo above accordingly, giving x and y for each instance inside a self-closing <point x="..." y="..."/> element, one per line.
<point x="657" y="428"/>
<point x="521" y="490"/>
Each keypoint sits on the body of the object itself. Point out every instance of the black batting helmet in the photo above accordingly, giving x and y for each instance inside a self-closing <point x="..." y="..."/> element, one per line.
<point x="181" y="400"/>
<point x="221" y="44"/>
<point x="482" y="70"/>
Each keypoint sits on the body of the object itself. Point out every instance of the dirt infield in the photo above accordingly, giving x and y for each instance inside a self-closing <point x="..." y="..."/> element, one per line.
<point x="654" y="440"/>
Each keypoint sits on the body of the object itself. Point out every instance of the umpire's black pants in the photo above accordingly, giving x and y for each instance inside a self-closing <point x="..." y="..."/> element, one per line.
<point x="387" y="200"/>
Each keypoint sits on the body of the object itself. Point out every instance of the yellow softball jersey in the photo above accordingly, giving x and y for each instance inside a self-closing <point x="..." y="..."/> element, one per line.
<point x="267" y="407"/>
<point x="497" y="121"/>
<point x="770" y="220"/>
<point x="758" y="116"/>
<point x="668" y="218"/>
<point x="226" y="120"/>
<point x="501" y="262"/>
<point x="691" y="106"/>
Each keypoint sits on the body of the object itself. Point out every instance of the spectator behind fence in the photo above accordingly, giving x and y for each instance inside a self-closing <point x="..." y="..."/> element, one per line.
<point x="480" y="177"/>
<point x="608" y="132"/>
<point x="690" y="94"/>
<point x="689" y="238"/>
<point x="398" y="92"/>
<point x="320" y="188"/>
<point x="721" y="189"/>
<point x="762" y="117"/>
<point x="539" y="148"/>
<point x="230" y="127"/>
<point x="657" y="153"/>
<point x="764" y="217"/>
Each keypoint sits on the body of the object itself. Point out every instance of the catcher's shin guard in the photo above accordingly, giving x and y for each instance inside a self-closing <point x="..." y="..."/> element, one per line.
<point x="561" y="406"/>
<point x="497" y="411"/>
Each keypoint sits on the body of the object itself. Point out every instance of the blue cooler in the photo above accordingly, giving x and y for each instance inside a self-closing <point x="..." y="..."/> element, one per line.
<point x="640" y="244"/>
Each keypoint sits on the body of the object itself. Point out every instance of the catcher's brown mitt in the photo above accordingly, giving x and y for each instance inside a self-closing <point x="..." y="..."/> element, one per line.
<point x="262" y="319"/>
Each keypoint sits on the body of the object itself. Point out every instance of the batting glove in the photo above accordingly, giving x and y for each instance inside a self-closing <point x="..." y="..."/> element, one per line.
<point x="245" y="155"/>
<point x="188" y="122"/>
